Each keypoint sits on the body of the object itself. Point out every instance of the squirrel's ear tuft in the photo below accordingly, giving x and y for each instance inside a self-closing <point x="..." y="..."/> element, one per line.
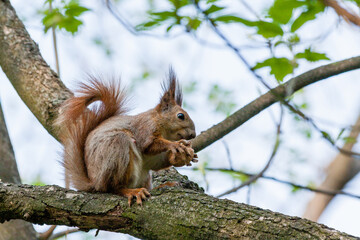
<point x="172" y="94"/>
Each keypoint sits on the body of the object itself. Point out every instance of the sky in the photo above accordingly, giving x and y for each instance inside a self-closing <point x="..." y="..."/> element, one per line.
<point x="333" y="103"/>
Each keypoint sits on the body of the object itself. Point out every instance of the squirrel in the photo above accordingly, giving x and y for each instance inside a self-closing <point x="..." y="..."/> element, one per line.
<point x="106" y="150"/>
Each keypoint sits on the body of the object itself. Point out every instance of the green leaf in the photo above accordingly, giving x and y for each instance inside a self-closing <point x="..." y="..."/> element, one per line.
<point x="162" y="16"/>
<point x="213" y="8"/>
<point x="52" y="19"/>
<point x="268" y="29"/>
<point x="294" y="39"/>
<point x="75" y="10"/>
<point x="237" y="175"/>
<point x="147" y="25"/>
<point x="233" y="19"/>
<point x="295" y="189"/>
<point x="70" y="24"/>
<point x="65" y="17"/>
<point x="282" y="10"/>
<point x="180" y="3"/>
<point x="38" y="181"/>
<point x="311" y="56"/>
<point x="280" y="67"/>
<point x="193" y="23"/>
<point x="327" y="136"/>
<point x="170" y="27"/>
<point x="157" y="18"/>
<point x="340" y="133"/>
<point x="313" y="8"/>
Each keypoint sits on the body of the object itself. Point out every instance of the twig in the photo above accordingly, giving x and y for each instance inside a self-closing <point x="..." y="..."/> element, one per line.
<point x="250" y="9"/>
<point x="228" y="153"/>
<point x="63" y="233"/>
<point x="323" y="191"/>
<point x="261" y="173"/>
<point x="55" y="44"/>
<point x="47" y="234"/>
<point x="248" y="195"/>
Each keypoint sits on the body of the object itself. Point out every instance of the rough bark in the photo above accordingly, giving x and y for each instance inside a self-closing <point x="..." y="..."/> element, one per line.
<point x="8" y="168"/>
<point x="20" y="59"/>
<point x="14" y="229"/>
<point x="340" y="171"/>
<point x="172" y="213"/>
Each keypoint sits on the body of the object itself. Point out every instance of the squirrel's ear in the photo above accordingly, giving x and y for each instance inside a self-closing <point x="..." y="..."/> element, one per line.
<point x="172" y="93"/>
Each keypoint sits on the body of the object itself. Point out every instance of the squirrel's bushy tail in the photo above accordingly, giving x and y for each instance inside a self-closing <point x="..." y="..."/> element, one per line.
<point x="76" y="121"/>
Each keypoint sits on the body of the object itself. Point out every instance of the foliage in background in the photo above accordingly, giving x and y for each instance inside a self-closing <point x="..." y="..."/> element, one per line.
<point x="278" y="26"/>
<point x="66" y="16"/>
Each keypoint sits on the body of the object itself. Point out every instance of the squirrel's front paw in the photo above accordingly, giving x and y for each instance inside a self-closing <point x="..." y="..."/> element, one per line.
<point x="181" y="153"/>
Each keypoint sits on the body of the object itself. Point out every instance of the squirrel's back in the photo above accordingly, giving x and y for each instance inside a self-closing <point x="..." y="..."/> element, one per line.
<point x="76" y="121"/>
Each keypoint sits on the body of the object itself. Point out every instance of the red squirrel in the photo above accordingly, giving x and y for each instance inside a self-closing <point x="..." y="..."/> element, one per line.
<point x="108" y="151"/>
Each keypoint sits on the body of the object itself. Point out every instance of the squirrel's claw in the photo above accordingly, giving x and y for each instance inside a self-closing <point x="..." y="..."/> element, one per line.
<point x="139" y="193"/>
<point x="187" y="143"/>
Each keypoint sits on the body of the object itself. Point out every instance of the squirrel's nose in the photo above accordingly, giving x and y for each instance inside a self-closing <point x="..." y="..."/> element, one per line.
<point x="192" y="135"/>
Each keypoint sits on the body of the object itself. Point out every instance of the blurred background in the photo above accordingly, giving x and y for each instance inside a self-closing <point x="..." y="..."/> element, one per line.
<point x="216" y="83"/>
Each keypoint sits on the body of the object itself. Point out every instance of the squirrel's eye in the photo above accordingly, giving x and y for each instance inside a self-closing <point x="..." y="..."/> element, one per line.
<point x="181" y="116"/>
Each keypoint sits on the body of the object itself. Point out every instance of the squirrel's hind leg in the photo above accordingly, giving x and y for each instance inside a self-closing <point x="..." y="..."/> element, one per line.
<point x="139" y="193"/>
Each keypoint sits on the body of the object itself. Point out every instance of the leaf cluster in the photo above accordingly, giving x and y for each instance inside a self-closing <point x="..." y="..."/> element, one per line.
<point x="66" y="16"/>
<point x="278" y="26"/>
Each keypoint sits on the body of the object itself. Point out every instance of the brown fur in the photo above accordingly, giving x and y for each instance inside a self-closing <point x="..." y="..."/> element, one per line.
<point x="76" y="122"/>
<point x="107" y="151"/>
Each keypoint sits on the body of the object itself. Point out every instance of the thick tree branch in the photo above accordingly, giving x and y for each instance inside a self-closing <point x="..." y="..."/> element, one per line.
<point x="171" y="213"/>
<point x="20" y="59"/>
<point x="264" y="101"/>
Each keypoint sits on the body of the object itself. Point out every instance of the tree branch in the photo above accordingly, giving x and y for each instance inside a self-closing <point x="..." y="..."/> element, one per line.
<point x="171" y="213"/>
<point x="264" y="101"/>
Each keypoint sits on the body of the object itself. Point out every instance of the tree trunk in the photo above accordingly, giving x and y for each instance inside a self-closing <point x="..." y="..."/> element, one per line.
<point x="14" y="229"/>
